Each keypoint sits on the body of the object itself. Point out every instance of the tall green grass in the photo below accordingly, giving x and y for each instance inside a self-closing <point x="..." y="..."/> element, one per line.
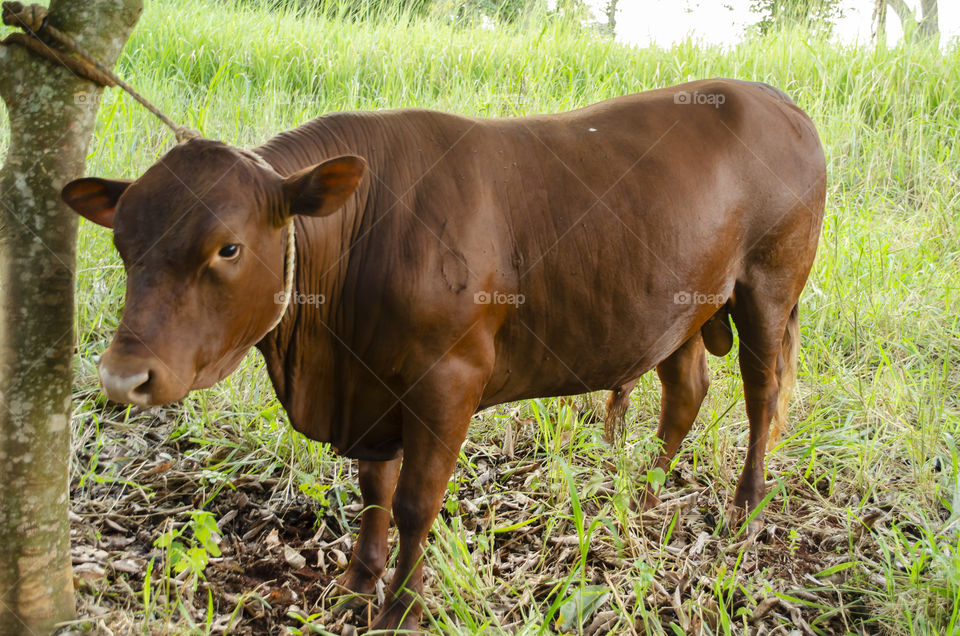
<point x="877" y="412"/>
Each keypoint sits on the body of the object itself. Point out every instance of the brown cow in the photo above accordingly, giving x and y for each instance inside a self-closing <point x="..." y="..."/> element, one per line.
<point x="481" y="261"/>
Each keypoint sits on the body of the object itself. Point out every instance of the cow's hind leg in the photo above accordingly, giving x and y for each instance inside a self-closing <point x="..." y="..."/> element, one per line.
<point x="377" y="483"/>
<point x="767" y="327"/>
<point x="684" y="380"/>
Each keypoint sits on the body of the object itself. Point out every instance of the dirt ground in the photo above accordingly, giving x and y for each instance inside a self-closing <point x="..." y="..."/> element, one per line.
<point x="281" y="550"/>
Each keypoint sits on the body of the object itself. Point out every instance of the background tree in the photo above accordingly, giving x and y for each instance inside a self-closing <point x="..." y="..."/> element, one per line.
<point x="470" y="11"/>
<point x="51" y="114"/>
<point x="611" y="12"/>
<point x="570" y="10"/>
<point x="815" y="15"/>
<point x="927" y="26"/>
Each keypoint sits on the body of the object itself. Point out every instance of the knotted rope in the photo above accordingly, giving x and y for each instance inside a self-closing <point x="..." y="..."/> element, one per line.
<point x="289" y="263"/>
<point x="45" y="40"/>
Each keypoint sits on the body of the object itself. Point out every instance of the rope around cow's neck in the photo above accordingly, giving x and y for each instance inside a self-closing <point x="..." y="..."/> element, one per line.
<point x="289" y="265"/>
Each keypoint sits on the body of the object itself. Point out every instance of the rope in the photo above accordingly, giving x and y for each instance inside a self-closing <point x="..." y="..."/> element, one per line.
<point x="52" y="44"/>
<point x="48" y="42"/>
<point x="290" y="261"/>
<point x="56" y="46"/>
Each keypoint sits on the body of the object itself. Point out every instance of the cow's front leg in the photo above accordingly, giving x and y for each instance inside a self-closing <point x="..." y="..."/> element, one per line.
<point x="377" y="483"/>
<point x="432" y="436"/>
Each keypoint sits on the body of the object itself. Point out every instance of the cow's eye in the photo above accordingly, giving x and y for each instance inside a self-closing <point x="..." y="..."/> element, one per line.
<point x="229" y="251"/>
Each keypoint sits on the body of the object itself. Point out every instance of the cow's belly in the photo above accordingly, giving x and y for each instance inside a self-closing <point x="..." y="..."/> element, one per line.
<point x="618" y="263"/>
<point x="593" y="317"/>
<point x="588" y="353"/>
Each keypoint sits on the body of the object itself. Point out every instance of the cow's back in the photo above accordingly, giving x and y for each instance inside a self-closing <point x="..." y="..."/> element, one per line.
<point x="601" y="231"/>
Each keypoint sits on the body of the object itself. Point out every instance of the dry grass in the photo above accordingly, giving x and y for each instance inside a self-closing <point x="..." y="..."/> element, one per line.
<point x="524" y="536"/>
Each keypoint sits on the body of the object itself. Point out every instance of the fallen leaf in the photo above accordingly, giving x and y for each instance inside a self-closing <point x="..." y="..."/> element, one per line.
<point x="293" y="558"/>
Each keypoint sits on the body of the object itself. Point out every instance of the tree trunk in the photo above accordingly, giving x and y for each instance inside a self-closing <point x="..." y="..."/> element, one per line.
<point x="930" y="24"/>
<point x="904" y="13"/>
<point x="51" y="114"/>
<point x="612" y="17"/>
<point x="880" y="22"/>
<point x="927" y="27"/>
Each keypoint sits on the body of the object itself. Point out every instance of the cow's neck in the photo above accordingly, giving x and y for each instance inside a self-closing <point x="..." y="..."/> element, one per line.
<point x="301" y="353"/>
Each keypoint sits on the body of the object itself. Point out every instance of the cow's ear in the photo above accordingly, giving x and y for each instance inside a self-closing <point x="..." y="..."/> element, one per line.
<point x="323" y="189"/>
<point x="95" y="199"/>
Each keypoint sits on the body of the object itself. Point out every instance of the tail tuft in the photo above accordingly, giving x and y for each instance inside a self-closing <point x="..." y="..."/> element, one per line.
<point x="788" y="374"/>
<point x="617" y="404"/>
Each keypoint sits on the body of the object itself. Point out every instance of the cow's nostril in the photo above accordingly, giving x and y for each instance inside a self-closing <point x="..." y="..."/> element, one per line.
<point x="129" y="389"/>
<point x="141" y="392"/>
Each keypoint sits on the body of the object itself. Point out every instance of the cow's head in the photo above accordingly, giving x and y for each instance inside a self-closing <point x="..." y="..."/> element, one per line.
<point x="202" y="238"/>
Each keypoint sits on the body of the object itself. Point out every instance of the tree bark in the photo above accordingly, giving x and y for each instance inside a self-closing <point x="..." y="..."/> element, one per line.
<point x="611" y="12"/>
<point x="927" y="26"/>
<point x="880" y="22"/>
<point x="930" y="23"/>
<point x="51" y="115"/>
<point x="904" y="13"/>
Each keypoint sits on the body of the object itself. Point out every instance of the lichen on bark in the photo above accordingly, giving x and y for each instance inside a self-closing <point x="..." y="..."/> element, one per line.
<point x="50" y="130"/>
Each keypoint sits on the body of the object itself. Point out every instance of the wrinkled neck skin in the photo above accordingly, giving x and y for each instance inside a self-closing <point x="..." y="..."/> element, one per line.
<point x="308" y="339"/>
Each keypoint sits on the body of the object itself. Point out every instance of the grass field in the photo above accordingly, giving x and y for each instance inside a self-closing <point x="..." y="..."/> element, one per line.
<point x="861" y="533"/>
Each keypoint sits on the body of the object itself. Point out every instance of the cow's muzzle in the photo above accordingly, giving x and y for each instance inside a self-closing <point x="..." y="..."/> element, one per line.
<point x="133" y="379"/>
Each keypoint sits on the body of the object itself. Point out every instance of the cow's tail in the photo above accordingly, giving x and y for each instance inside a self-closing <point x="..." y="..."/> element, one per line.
<point x="617" y="404"/>
<point x="788" y="375"/>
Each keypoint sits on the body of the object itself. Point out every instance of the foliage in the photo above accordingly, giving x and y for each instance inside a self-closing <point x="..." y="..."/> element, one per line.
<point x="342" y="9"/>
<point x="817" y="16"/>
<point x="191" y="551"/>
<point x="476" y="11"/>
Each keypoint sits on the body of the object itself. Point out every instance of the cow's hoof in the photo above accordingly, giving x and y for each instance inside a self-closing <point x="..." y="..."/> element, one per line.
<point x="397" y="619"/>
<point x="745" y="500"/>
<point x="735" y="516"/>
<point x="353" y="583"/>
<point x="353" y="593"/>
<point x="749" y="497"/>
<point x="351" y="601"/>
